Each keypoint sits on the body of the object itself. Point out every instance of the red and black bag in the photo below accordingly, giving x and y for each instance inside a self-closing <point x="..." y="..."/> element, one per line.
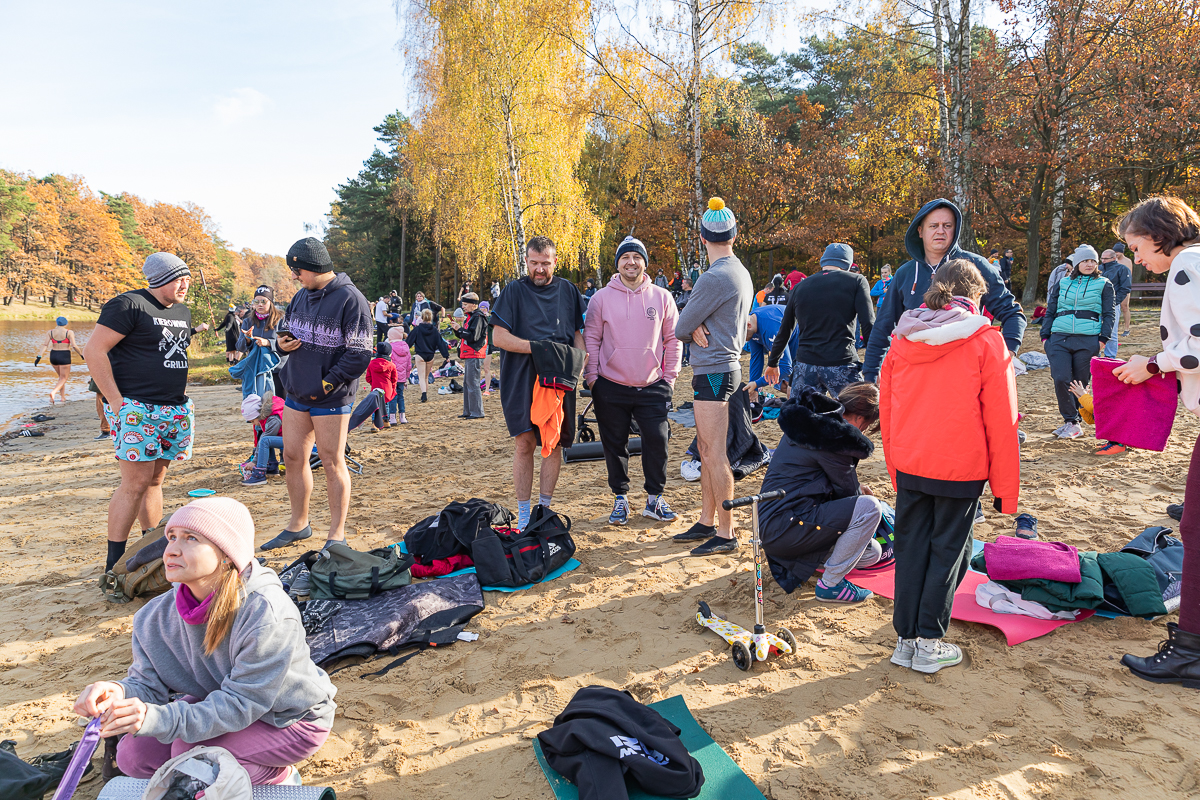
<point x="508" y="557"/>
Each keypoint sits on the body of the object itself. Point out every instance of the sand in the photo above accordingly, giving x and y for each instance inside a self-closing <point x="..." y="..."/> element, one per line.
<point x="1057" y="716"/>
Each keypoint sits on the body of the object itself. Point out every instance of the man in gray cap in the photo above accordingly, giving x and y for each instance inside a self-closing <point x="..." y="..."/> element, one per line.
<point x="825" y="308"/>
<point x="137" y="355"/>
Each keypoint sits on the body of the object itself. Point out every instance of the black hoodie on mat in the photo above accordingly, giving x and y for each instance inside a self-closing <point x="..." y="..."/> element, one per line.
<point x="603" y="735"/>
<point x="336" y="328"/>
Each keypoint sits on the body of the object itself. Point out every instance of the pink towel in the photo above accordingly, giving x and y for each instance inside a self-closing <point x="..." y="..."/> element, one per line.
<point x="1135" y="415"/>
<point x="1013" y="559"/>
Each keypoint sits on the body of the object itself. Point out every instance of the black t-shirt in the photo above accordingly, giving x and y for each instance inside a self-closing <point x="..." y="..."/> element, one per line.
<point x="552" y="313"/>
<point x="150" y="364"/>
<point x="776" y="297"/>
<point x="824" y="308"/>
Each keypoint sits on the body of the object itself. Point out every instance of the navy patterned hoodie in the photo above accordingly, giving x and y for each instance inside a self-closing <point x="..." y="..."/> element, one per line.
<point x="335" y="326"/>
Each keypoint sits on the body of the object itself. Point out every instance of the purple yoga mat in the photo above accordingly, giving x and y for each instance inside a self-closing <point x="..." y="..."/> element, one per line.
<point x="79" y="761"/>
<point x="1138" y="415"/>
<point x="1010" y="558"/>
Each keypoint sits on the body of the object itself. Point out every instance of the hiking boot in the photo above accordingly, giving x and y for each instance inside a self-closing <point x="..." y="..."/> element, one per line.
<point x="659" y="510"/>
<point x="1026" y="526"/>
<point x="1177" y="660"/>
<point x="257" y="477"/>
<point x="392" y="419"/>
<point x="902" y="656"/>
<point x="843" y="592"/>
<point x="717" y="544"/>
<point x="620" y="512"/>
<point x="1175" y="511"/>
<point x="696" y="532"/>
<point x="1111" y="449"/>
<point x="933" y="654"/>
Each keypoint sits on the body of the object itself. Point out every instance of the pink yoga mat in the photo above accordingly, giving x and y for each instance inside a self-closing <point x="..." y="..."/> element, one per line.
<point x="1138" y="415"/>
<point x="1015" y="627"/>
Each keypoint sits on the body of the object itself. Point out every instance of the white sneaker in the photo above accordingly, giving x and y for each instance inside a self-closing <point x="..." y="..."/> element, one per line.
<point x="902" y="656"/>
<point x="690" y="470"/>
<point x="933" y="654"/>
<point x="1059" y="432"/>
<point x="1072" y="431"/>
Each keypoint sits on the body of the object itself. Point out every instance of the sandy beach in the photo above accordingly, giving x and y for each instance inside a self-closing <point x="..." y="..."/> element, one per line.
<point x="1054" y="717"/>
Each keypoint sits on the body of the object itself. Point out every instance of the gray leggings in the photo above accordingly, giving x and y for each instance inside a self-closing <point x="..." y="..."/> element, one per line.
<point x="856" y="547"/>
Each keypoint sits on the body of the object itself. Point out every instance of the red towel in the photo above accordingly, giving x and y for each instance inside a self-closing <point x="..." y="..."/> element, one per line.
<point x="1010" y="558"/>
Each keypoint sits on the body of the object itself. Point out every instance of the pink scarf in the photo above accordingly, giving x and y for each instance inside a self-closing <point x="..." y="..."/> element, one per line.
<point x="193" y="611"/>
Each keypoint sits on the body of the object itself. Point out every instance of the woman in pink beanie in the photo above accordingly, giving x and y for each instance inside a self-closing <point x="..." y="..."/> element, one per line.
<point x="231" y="641"/>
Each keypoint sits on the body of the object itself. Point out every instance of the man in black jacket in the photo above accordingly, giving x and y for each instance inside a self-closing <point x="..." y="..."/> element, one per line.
<point x="472" y="332"/>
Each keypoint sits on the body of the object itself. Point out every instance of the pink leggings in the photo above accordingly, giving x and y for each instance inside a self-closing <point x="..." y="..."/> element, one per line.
<point x="264" y="750"/>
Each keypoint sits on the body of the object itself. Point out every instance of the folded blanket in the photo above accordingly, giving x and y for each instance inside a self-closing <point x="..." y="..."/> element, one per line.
<point x="1010" y="558"/>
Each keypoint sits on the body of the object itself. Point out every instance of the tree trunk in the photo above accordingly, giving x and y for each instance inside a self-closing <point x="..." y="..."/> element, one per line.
<point x="514" y="176"/>
<point x="403" y="249"/>
<point x="1056" y="219"/>
<point x="961" y="110"/>
<point x="437" y="271"/>
<point x="940" y="66"/>
<point x="697" y="251"/>
<point x="1033" y="269"/>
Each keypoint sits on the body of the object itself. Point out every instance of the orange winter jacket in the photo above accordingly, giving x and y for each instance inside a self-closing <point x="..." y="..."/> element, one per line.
<point x="948" y="407"/>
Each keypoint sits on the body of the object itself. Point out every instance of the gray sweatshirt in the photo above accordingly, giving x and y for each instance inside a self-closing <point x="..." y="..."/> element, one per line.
<point x="262" y="670"/>
<point x="721" y="301"/>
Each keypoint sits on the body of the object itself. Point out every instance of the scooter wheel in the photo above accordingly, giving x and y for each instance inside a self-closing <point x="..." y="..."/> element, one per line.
<point x="741" y="656"/>
<point x="789" y="639"/>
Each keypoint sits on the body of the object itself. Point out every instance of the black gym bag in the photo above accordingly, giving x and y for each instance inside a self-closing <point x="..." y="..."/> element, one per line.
<point x="504" y="558"/>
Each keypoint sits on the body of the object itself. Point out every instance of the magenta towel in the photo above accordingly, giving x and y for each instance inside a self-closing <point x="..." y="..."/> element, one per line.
<point x="1135" y="415"/>
<point x="1010" y="558"/>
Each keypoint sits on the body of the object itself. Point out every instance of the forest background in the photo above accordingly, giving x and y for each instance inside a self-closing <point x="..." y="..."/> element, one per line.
<point x="590" y="121"/>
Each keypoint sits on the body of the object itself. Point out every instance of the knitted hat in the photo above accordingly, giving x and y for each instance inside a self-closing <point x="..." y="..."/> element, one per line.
<point x="1085" y="252"/>
<point x="718" y="223"/>
<point x="223" y="521"/>
<point x="632" y="245"/>
<point x="395" y="334"/>
<point x="251" y="405"/>
<point x="60" y="322"/>
<point x="309" y="254"/>
<point x="1119" y="247"/>
<point x="265" y="291"/>
<point x="838" y="255"/>
<point x="383" y="350"/>
<point x="163" y="268"/>
<point x="459" y="313"/>
<point x="485" y="306"/>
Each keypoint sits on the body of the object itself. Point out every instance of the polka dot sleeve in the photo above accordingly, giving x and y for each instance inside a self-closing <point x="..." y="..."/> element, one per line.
<point x="1180" y="321"/>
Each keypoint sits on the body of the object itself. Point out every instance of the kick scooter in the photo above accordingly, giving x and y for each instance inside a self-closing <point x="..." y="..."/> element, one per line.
<point x="749" y="647"/>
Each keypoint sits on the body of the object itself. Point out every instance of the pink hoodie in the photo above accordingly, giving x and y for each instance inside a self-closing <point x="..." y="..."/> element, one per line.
<point x="630" y="334"/>
<point x="401" y="356"/>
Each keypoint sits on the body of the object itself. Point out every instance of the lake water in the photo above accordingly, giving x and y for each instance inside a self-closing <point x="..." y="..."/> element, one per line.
<point x="23" y="386"/>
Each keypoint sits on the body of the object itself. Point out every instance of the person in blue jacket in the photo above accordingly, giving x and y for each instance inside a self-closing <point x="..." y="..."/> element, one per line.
<point x="762" y="326"/>
<point x="932" y="240"/>
<point x="879" y="290"/>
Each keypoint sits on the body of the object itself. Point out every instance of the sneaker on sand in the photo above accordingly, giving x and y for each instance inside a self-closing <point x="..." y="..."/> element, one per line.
<point x="1111" y="449"/>
<point x="1059" y="431"/>
<point x="902" y="656"/>
<point x="716" y="544"/>
<point x="933" y="654"/>
<point x="844" y="592"/>
<point x="256" y="477"/>
<point x="620" y="512"/>
<point x="102" y="435"/>
<point x="1026" y="526"/>
<point x="1072" y="430"/>
<point x="695" y="533"/>
<point x="659" y="510"/>
<point x="979" y="517"/>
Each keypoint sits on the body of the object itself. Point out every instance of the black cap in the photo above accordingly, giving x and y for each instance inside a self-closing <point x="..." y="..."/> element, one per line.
<point x="1119" y="247"/>
<point x="309" y="254"/>
<point x="265" y="291"/>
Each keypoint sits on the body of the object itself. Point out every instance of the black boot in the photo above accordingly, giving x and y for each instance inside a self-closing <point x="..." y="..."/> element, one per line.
<point x="1177" y="660"/>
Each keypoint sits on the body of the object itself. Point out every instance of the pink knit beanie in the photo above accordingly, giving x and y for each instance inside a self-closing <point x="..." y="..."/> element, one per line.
<point x="224" y="521"/>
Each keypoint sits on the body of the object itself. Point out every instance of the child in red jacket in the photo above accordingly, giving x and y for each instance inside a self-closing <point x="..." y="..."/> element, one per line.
<point x="381" y="374"/>
<point x="948" y="415"/>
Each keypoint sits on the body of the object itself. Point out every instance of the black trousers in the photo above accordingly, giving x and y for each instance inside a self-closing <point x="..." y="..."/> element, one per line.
<point x="381" y="329"/>
<point x="933" y="553"/>
<point x="1070" y="356"/>
<point x="616" y="407"/>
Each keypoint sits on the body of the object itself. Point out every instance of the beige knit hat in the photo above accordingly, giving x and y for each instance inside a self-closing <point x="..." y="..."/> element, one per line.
<point x="224" y="521"/>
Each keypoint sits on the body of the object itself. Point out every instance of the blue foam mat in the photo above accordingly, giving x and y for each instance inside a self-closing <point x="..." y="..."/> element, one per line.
<point x="563" y="570"/>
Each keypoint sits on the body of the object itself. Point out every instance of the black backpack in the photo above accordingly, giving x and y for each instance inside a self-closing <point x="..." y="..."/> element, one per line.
<point x="454" y="530"/>
<point x="516" y="559"/>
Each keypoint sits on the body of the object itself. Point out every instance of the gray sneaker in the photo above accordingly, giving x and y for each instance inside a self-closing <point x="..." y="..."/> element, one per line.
<point x="933" y="654"/>
<point x="902" y="656"/>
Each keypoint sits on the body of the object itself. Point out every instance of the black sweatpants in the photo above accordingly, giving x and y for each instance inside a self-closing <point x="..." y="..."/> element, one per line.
<point x="933" y="553"/>
<point x="616" y="406"/>
<point x="1070" y="356"/>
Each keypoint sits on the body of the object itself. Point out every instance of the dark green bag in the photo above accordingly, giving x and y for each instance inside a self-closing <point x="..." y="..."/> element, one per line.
<point x="340" y="572"/>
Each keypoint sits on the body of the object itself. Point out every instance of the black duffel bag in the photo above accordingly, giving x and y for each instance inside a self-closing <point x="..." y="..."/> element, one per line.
<point x="453" y="531"/>
<point x="516" y="559"/>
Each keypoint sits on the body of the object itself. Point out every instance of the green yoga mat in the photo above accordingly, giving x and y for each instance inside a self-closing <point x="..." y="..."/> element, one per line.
<point x="723" y="780"/>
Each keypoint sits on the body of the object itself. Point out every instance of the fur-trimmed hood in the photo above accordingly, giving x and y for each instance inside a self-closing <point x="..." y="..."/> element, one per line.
<point x="813" y="420"/>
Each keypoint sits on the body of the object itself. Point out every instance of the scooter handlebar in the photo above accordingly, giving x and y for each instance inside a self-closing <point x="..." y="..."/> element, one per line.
<point x="738" y="502"/>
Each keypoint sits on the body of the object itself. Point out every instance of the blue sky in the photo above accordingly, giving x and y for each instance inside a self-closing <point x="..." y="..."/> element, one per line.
<point x="252" y="110"/>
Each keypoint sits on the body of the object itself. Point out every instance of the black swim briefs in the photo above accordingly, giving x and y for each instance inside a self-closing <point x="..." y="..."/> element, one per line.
<point x="714" y="387"/>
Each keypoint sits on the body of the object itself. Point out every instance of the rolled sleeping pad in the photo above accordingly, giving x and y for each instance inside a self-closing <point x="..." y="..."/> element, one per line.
<point x="594" y="451"/>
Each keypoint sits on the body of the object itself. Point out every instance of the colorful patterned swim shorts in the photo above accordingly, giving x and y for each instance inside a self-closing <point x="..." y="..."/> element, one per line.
<point x="146" y="432"/>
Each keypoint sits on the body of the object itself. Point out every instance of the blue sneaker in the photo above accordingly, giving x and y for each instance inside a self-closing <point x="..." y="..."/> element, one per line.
<point x="844" y="592"/>
<point x="659" y="510"/>
<point x="620" y="512"/>
<point x="256" y="477"/>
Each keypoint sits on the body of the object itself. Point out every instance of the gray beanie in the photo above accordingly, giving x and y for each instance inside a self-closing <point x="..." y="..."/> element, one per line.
<point x="1085" y="252"/>
<point x="632" y="245"/>
<point x="838" y="255"/>
<point x="163" y="268"/>
<point x="309" y="254"/>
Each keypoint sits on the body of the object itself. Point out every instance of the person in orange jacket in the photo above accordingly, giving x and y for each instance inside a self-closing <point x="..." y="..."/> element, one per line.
<point x="948" y="415"/>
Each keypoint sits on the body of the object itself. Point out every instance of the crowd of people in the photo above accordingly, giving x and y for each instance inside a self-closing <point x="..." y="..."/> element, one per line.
<point x="938" y="382"/>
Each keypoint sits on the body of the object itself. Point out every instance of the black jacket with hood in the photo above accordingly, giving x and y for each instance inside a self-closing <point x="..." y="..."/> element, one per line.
<point x="335" y="326"/>
<point x="907" y="291"/>
<point x="425" y="340"/>
<point x="603" y="735"/>
<point x="817" y="465"/>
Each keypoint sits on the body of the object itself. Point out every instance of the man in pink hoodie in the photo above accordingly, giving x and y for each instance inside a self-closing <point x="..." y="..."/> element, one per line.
<point x="633" y="359"/>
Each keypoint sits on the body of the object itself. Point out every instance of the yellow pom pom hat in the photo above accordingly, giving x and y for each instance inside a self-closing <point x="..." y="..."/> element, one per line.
<point x="718" y="223"/>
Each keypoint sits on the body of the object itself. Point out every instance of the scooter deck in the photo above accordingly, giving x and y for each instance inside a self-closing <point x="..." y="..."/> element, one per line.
<point x="736" y="633"/>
